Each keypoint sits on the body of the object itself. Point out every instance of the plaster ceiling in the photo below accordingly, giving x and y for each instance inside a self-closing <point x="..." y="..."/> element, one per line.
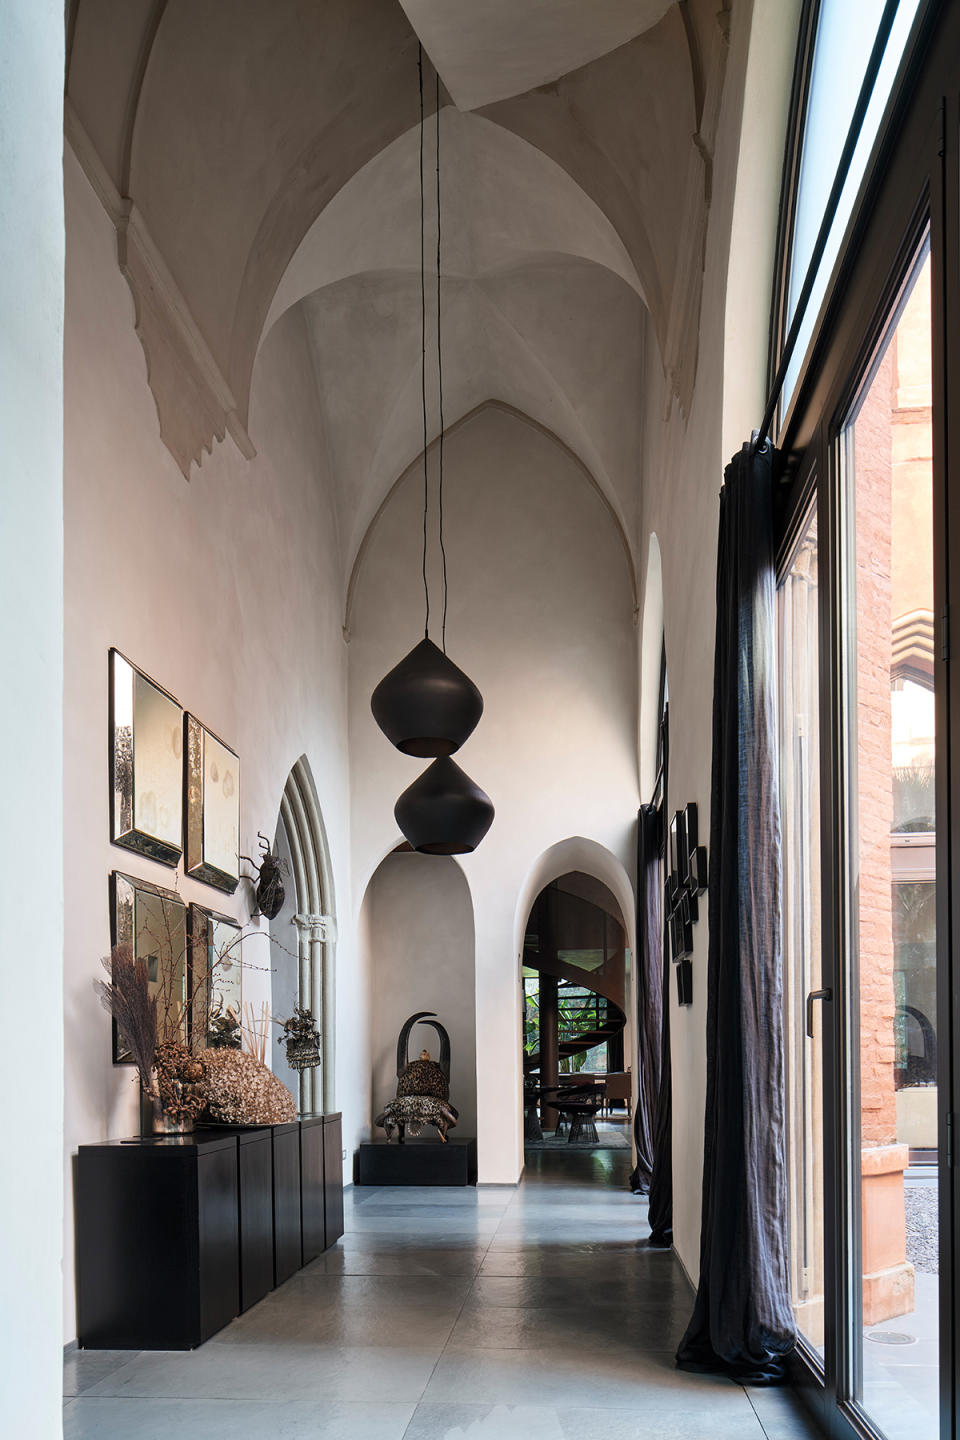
<point x="538" y="295"/>
<point x="254" y="157"/>
<point x="487" y="50"/>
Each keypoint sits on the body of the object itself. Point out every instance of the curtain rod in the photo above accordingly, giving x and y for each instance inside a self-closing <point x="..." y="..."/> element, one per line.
<point x="829" y="215"/>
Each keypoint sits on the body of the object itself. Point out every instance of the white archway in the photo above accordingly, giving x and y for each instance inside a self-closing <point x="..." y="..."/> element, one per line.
<point x="316" y="923"/>
<point x="577" y="853"/>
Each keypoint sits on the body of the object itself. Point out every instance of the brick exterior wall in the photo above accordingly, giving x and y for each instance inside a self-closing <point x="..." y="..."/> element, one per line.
<point x="874" y="473"/>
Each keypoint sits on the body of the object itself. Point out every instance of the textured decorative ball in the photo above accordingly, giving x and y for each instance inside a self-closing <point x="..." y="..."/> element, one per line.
<point x="241" y="1091"/>
<point x="423" y="1077"/>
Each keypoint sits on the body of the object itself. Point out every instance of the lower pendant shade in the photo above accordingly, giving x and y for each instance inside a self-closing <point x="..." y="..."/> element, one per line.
<point x="443" y="812"/>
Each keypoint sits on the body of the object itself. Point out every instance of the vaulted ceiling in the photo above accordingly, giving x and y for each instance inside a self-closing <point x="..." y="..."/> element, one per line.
<point x="257" y="157"/>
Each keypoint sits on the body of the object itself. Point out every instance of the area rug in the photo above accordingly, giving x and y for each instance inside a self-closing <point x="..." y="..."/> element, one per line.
<point x="607" y="1140"/>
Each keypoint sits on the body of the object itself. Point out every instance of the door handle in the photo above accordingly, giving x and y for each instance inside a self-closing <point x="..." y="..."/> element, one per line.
<point x="815" y="995"/>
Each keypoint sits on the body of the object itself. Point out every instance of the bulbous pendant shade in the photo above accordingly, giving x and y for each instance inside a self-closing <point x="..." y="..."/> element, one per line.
<point x="443" y="812"/>
<point x="426" y="705"/>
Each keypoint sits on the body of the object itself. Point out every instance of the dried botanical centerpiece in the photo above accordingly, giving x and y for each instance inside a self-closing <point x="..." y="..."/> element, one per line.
<point x="242" y="1091"/>
<point x="171" y="1079"/>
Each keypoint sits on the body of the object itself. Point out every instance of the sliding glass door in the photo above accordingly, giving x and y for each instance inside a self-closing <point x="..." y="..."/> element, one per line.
<point x="889" y="941"/>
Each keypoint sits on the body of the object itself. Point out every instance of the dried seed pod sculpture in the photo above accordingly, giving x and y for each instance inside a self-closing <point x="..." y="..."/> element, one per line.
<point x="181" y="1082"/>
<point x="423" y="1087"/>
<point x="302" y="1039"/>
<point x="270" y="875"/>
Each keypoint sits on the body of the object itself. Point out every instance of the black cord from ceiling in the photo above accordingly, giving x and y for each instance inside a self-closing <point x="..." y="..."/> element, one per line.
<point x="443" y="551"/>
<point x="423" y="355"/>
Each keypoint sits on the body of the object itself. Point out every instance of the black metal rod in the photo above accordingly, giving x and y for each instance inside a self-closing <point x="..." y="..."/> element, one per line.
<point x="829" y="215"/>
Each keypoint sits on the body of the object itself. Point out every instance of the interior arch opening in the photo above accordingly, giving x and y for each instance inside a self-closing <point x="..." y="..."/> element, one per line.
<point x="574" y="982"/>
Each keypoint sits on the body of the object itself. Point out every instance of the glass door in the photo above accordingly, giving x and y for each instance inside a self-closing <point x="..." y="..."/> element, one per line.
<point x="798" y="619"/>
<point x="888" y="935"/>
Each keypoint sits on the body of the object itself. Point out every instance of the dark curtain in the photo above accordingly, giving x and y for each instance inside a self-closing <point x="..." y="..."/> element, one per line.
<point x="649" y="995"/>
<point x="660" y="1212"/>
<point x="742" y="1320"/>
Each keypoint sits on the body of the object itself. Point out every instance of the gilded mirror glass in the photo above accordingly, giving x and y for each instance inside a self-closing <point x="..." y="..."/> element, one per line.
<point x="217" y="964"/>
<point x="153" y="922"/>
<point x="146" y="731"/>
<point x="213" y="809"/>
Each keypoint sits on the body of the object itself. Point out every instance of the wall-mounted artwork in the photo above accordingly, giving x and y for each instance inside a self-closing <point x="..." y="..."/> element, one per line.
<point x="217" y="966"/>
<point x="153" y="923"/>
<point x="213" y="809"/>
<point x="686" y="881"/>
<point x="146" y="740"/>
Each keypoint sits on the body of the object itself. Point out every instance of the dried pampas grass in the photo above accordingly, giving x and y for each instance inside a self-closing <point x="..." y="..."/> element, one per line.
<point x="242" y="1091"/>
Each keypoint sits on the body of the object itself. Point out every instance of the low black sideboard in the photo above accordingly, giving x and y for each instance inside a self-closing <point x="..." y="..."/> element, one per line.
<point x="178" y="1235"/>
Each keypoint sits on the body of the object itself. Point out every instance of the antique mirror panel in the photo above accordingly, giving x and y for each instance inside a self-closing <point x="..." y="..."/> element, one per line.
<point x="213" y="809"/>
<point x="154" y="923"/>
<point x="217" y="977"/>
<point x="146" y="734"/>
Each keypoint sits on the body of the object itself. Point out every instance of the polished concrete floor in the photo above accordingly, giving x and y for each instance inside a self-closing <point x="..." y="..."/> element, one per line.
<point x="529" y="1313"/>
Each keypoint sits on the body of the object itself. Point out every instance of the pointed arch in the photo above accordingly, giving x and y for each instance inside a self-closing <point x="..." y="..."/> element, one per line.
<point x="316" y="922"/>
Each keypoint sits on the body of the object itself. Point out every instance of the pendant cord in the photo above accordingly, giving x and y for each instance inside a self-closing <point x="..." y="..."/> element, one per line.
<point x="423" y="355"/>
<point x="443" y="552"/>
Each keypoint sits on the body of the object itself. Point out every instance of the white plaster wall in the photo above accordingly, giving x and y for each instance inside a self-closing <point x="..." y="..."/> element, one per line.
<point x="225" y="590"/>
<point x="541" y="616"/>
<point x="422" y="958"/>
<point x="31" y="629"/>
<point x="683" y="472"/>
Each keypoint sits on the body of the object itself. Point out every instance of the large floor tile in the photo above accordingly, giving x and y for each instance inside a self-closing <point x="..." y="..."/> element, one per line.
<point x="84" y="1368"/>
<point x="353" y="1310"/>
<point x="569" y="1328"/>
<point x="595" y="1379"/>
<point x="94" y="1419"/>
<point x="276" y="1373"/>
<point x="548" y="1422"/>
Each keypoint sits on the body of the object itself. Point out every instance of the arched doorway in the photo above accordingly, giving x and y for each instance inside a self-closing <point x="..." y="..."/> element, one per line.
<point x="574" y="981"/>
<point x="303" y="972"/>
<point x="417" y="921"/>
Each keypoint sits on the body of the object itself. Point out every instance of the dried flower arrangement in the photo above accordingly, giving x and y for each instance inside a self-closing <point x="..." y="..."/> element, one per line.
<point x="181" y="1084"/>
<point x="242" y="1091"/>
<point x="126" y="996"/>
<point x="189" y="1060"/>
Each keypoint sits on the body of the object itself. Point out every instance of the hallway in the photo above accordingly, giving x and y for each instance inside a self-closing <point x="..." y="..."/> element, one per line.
<point x="534" y="1313"/>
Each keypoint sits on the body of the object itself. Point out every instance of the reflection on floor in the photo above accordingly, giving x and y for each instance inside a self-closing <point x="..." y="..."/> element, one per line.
<point x="534" y="1313"/>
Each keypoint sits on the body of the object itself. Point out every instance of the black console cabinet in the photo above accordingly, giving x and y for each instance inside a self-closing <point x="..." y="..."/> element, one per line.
<point x="175" y="1236"/>
<point x="157" y="1242"/>
<point x="255" y="1169"/>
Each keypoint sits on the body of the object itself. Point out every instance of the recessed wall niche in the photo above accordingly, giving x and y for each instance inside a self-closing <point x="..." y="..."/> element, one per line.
<point x="146" y="742"/>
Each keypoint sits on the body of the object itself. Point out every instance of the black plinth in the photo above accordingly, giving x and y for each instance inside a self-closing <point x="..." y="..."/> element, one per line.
<point x="418" y="1162"/>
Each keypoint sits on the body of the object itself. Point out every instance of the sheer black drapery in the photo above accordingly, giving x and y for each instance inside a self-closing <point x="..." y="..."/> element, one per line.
<point x="742" y="1321"/>
<point x="649" y="994"/>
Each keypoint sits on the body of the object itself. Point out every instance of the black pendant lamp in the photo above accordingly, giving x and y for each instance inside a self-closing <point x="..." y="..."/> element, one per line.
<point x="443" y="812"/>
<point x="426" y="705"/>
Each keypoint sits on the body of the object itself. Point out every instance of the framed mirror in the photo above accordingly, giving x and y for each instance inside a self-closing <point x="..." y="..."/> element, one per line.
<point x="217" y="967"/>
<point x="213" y="809"/>
<point x="146" y="744"/>
<point x="153" y="922"/>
